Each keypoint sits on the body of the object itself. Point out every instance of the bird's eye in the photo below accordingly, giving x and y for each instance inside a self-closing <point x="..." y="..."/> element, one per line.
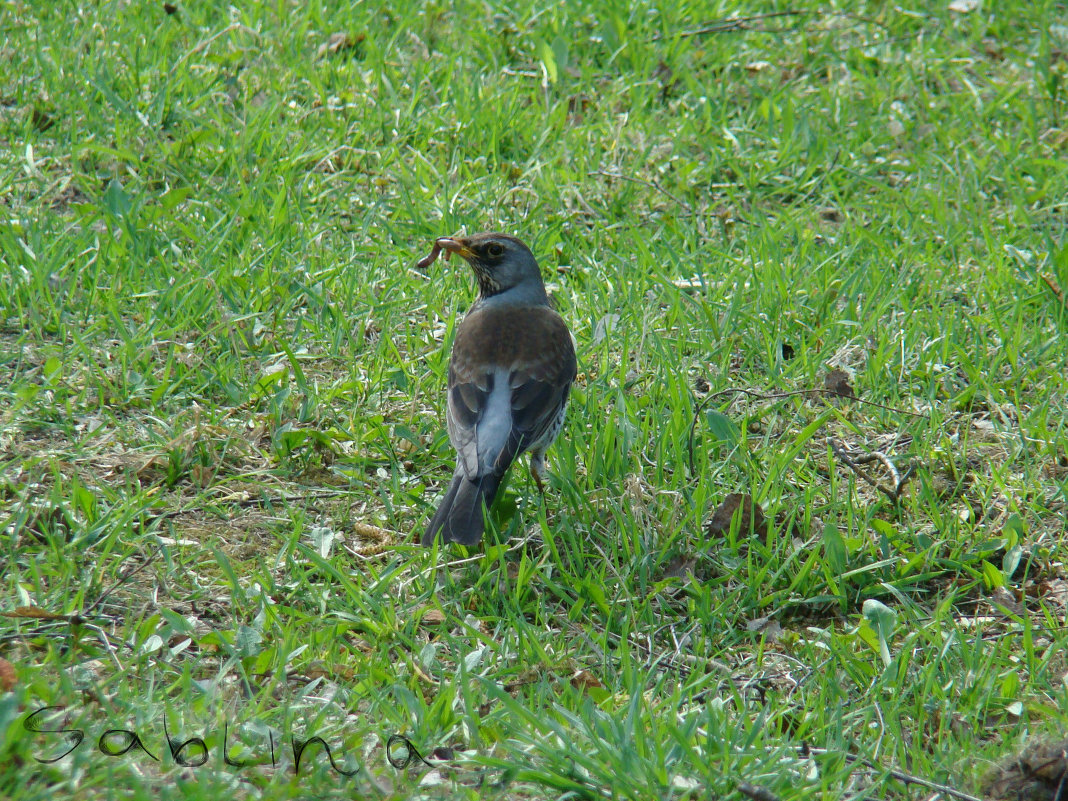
<point x="494" y="250"/>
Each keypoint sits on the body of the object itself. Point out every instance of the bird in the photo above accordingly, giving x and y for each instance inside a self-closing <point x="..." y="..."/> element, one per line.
<point x="510" y="374"/>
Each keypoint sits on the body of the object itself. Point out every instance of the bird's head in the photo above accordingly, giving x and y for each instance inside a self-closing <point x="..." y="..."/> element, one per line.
<point x="500" y="262"/>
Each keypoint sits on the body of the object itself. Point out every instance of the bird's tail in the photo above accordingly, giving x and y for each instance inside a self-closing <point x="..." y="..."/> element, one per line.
<point x="459" y="517"/>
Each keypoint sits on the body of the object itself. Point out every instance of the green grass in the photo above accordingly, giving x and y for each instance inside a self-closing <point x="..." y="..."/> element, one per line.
<point x="222" y="387"/>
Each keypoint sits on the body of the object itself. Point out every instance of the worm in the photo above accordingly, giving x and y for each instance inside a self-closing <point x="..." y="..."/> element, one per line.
<point x="432" y="256"/>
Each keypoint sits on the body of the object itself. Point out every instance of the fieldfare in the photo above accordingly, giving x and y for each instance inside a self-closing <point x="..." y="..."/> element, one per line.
<point x="510" y="372"/>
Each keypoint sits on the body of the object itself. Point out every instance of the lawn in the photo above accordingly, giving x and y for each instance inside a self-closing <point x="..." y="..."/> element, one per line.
<point x="815" y="260"/>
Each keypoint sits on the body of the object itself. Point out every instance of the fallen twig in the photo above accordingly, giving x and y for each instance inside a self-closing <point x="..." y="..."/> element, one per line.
<point x="777" y="396"/>
<point x="756" y="792"/>
<point x="754" y="23"/>
<point x="901" y="776"/>
<point x="645" y="182"/>
<point x="1057" y="291"/>
<point x="854" y="462"/>
<point x="239" y="500"/>
<point x="125" y="576"/>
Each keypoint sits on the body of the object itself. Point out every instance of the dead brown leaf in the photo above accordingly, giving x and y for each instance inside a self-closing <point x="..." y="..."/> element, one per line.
<point x="1054" y="288"/>
<point x="679" y="567"/>
<point x="34" y="613"/>
<point x="432" y="617"/>
<point x="666" y="77"/>
<point x="201" y="475"/>
<point x="767" y="626"/>
<point x="837" y="383"/>
<point x="152" y="469"/>
<point x="8" y="677"/>
<point x="50" y="520"/>
<point x="341" y="43"/>
<point x="41" y="120"/>
<point x="577" y="105"/>
<point x="525" y="677"/>
<point x="752" y="517"/>
<point x="421" y="675"/>
<point x="1054" y="593"/>
<point x="319" y="670"/>
<point x="1005" y="602"/>
<point x="1037" y="774"/>
<point x="584" y="680"/>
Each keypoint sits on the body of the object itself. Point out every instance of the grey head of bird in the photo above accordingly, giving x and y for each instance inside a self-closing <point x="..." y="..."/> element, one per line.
<point x="501" y="264"/>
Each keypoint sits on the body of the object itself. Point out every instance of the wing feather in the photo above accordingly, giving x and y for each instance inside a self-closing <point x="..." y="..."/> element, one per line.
<point x="532" y="347"/>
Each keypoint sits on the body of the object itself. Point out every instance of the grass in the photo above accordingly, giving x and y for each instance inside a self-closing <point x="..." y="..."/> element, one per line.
<point x="221" y="397"/>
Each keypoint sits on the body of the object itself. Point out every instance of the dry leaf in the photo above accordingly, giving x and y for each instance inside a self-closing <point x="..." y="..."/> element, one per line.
<point x="1004" y="600"/>
<point x="1055" y="593"/>
<point x="340" y="43"/>
<point x="421" y="675"/>
<point x="584" y="680"/>
<point x="201" y="475"/>
<point x="752" y="516"/>
<point x="666" y="76"/>
<point x="319" y="670"/>
<point x="679" y="567"/>
<point x="1036" y="774"/>
<point x="34" y="613"/>
<point x="993" y="50"/>
<point x="837" y="383"/>
<point x="576" y="104"/>
<point x="8" y="677"/>
<point x="767" y="626"/>
<point x="432" y="617"/>
<point x="152" y="468"/>
<point x="41" y="120"/>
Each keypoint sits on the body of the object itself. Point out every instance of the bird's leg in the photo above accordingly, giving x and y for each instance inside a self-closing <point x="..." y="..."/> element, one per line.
<point x="537" y="469"/>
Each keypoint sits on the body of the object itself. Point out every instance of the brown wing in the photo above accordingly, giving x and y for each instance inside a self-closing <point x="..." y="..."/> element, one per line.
<point x="531" y="348"/>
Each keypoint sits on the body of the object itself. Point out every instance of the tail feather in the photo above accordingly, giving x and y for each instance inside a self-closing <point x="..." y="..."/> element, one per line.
<point x="459" y="517"/>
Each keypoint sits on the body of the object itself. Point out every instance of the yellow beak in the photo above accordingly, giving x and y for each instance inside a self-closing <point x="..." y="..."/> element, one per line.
<point x="457" y="246"/>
